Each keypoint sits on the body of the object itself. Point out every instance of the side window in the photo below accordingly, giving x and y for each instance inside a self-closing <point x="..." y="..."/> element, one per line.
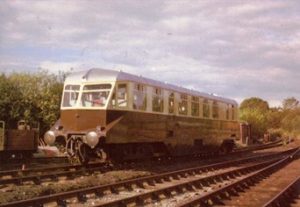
<point x="227" y="111"/>
<point x="215" y="110"/>
<point x="206" y="111"/>
<point x="139" y="97"/>
<point x="157" y="100"/>
<point x="171" y="103"/>
<point x="195" y="106"/>
<point x="182" y="105"/>
<point x="122" y="95"/>
<point x="233" y="112"/>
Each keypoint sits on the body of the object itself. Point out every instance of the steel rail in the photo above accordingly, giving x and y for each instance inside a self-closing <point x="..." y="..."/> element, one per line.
<point x="261" y="147"/>
<point x="60" y="198"/>
<point x="286" y="195"/>
<point x="38" y="178"/>
<point x="40" y="170"/>
<point x="232" y="189"/>
<point x="236" y="151"/>
<point x="198" y="183"/>
<point x="79" y="170"/>
<point x="25" y="172"/>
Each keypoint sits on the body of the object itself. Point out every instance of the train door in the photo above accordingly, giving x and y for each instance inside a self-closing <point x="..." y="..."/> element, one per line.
<point x="2" y="132"/>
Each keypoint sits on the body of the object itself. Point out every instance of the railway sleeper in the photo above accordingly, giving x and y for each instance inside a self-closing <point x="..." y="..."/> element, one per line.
<point x="179" y="189"/>
<point x="237" y="185"/>
<point x="114" y="190"/>
<point x="61" y="202"/>
<point x="37" y="180"/>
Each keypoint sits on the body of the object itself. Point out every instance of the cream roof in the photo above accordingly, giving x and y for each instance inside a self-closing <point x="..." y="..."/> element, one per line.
<point x="98" y="74"/>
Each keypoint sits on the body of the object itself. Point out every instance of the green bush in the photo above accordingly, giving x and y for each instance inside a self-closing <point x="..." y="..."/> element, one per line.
<point x="34" y="97"/>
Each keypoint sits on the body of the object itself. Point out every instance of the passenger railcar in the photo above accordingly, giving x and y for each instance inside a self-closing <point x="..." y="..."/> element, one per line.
<point x="123" y="116"/>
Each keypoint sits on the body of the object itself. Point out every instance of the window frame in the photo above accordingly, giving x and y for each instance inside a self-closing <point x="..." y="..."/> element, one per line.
<point x="195" y="100"/>
<point x="139" y="88"/>
<point x="158" y="93"/>
<point x="183" y="102"/>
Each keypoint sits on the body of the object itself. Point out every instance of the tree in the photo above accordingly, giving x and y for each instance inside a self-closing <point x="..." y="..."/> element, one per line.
<point x="256" y="119"/>
<point x="10" y="101"/>
<point x="274" y="117"/>
<point x="255" y="103"/>
<point x="290" y="103"/>
<point x="255" y="111"/>
<point x="33" y="97"/>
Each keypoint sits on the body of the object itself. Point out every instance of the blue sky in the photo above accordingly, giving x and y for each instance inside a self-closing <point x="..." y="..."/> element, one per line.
<point x="236" y="49"/>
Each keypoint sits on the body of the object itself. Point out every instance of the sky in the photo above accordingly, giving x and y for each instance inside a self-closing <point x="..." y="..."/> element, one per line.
<point x="235" y="49"/>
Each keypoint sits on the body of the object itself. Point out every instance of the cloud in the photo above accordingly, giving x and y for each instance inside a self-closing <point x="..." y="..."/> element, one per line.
<point x="233" y="48"/>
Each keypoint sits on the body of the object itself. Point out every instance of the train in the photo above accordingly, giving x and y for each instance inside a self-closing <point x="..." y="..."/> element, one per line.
<point x="19" y="143"/>
<point x="115" y="115"/>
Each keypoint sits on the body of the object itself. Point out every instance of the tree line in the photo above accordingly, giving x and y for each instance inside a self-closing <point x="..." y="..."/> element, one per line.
<point x="276" y="121"/>
<point x="35" y="97"/>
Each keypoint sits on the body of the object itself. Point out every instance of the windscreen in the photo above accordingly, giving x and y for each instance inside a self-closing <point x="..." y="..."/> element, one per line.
<point x="95" y="95"/>
<point x="70" y="96"/>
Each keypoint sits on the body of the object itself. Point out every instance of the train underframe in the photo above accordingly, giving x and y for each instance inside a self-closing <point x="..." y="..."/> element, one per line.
<point x="121" y="152"/>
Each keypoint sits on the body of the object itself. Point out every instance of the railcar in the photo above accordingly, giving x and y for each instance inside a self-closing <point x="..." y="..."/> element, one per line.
<point x="18" y="143"/>
<point x="118" y="115"/>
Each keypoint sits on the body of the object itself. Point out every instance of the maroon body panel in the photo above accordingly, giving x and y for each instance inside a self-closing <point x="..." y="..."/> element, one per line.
<point x="21" y="140"/>
<point x="140" y="127"/>
<point x="82" y="120"/>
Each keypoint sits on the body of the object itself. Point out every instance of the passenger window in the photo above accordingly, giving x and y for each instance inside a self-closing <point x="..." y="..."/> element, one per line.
<point x="122" y="95"/>
<point x="171" y="103"/>
<point x="215" y="110"/>
<point x="233" y="112"/>
<point x="227" y="111"/>
<point x="195" y="106"/>
<point x="139" y="97"/>
<point x="157" y="100"/>
<point x="206" y="110"/>
<point x="182" y="105"/>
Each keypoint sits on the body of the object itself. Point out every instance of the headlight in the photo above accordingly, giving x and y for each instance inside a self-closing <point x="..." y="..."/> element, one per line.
<point x="92" y="139"/>
<point x="49" y="137"/>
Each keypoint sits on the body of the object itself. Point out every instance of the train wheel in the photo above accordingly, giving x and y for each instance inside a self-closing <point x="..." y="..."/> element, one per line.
<point x="83" y="153"/>
<point x="101" y="154"/>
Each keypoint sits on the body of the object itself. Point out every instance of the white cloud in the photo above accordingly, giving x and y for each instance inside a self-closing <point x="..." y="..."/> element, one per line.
<point x="55" y="67"/>
<point x="233" y="48"/>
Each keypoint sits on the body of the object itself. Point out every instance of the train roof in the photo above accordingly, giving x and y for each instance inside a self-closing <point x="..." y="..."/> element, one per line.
<point x="98" y="74"/>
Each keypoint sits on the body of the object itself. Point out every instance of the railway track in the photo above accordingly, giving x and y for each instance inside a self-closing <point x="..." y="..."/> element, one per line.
<point x="288" y="196"/>
<point x="161" y="185"/>
<point x="33" y="162"/>
<point x="38" y="175"/>
<point x="217" y="196"/>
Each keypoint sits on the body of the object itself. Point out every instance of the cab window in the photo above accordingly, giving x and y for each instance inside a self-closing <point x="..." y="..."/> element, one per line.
<point x="70" y="95"/>
<point x="95" y="95"/>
